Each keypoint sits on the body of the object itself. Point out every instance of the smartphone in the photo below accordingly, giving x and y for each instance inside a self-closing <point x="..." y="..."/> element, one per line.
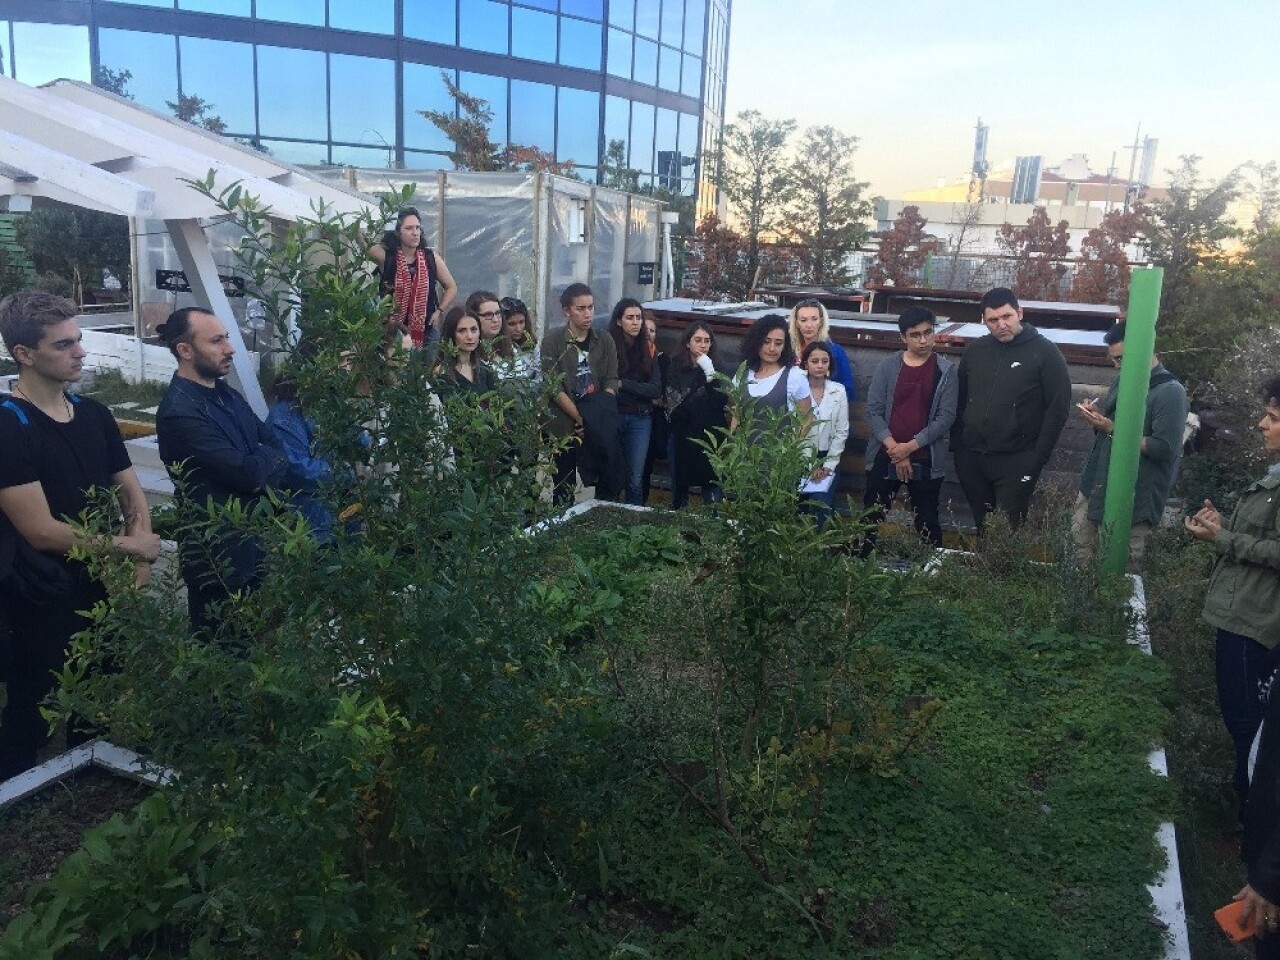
<point x="1229" y="920"/>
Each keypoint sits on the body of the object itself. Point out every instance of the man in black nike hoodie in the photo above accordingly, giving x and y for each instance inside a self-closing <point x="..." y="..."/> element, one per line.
<point x="1015" y="394"/>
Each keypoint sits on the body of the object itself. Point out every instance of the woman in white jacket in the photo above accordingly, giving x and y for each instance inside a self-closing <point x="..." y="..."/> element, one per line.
<point x="829" y="429"/>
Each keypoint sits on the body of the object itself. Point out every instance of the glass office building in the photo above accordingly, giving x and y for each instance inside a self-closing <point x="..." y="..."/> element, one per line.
<point x="343" y="81"/>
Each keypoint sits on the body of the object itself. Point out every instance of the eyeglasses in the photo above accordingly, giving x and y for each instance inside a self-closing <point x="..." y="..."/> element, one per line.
<point x="489" y="314"/>
<point x="512" y="305"/>
<point x="809" y="302"/>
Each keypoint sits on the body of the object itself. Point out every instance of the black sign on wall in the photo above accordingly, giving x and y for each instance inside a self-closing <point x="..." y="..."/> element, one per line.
<point x="175" y="281"/>
<point x="644" y="274"/>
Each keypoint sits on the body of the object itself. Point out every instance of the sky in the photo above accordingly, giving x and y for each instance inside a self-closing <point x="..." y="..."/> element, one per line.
<point x="910" y="78"/>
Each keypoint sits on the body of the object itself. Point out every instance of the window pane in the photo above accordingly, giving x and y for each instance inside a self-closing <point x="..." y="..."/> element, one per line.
<point x="669" y="69"/>
<point x="540" y="4"/>
<point x="580" y="43"/>
<point x="533" y="114"/>
<point x="364" y="156"/>
<point x="309" y="154"/>
<point x="689" y="134"/>
<point x="622" y="14"/>
<point x="367" y="16"/>
<point x="146" y="3"/>
<point x="231" y="8"/>
<point x="151" y="59"/>
<point x="292" y="11"/>
<point x="434" y="20"/>
<point x="617" y="121"/>
<point x="362" y="100"/>
<point x="642" y="136"/>
<point x="533" y="34"/>
<point x="48" y="51"/>
<point x="691" y="77"/>
<point x="646" y="65"/>
<point x="620" y="54"/>
<point x="425" y="90"/>
<point x="672" y="21"/>
<point x="647" y="18"/>
<point x="578" y="126"/>
<point x="668" y="157"/>
<point x="589" y="9"/>
<point x="694" y="18"/>
<point x="221" y="74"/>
<point x="291" y="93"/>
<point x="492" y="90"/>
<point x="482" y="25"/>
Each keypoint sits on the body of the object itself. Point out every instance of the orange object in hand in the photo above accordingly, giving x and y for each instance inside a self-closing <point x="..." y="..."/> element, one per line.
<point x="1229" y="920"/>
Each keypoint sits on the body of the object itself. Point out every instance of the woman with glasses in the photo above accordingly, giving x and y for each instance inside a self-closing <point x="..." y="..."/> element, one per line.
<point x="694" y="405"/>
<point x="414" y="276"/>
<point x="641" y="385"/>
<point x="808" y="324"/>
<point x="484" y="308"/>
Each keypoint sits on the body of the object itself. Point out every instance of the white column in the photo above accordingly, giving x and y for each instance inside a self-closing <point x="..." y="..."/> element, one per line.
<point x="202" y="275"/>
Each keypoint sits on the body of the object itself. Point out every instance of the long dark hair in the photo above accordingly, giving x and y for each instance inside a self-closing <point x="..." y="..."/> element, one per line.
<point x="510" y="306"/>
<point x="391" y="238"/>
<point x="754" y="340"/>
<point x="634" y="362"/>
<point x="684" y="356"/>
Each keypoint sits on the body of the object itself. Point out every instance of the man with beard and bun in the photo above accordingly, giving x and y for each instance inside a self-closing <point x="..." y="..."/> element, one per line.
<point x="1015" y="393"/>
<point x="215" y="449"/>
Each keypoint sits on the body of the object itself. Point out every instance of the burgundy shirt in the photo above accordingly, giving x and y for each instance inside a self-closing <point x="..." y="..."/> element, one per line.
<point x="912" y="398"/>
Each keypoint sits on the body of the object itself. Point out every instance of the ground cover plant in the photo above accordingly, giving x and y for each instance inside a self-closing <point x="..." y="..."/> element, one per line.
<point x="717" y="735"/>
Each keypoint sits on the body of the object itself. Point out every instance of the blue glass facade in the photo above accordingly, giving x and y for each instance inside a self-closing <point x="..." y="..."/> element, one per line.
<point x="344" y="81"/>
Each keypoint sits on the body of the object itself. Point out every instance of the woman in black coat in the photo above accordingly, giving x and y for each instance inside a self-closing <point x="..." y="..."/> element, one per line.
<point x="694" y="404"/>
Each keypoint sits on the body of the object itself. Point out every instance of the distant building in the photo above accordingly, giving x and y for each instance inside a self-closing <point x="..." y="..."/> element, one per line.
<point x="1069" y="191"/>
<point x="341" y="82"/>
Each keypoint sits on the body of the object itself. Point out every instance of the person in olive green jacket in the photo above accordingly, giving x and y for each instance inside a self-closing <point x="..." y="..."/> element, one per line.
<point x="586" y="361"/>
<point x="1243" y="601"/>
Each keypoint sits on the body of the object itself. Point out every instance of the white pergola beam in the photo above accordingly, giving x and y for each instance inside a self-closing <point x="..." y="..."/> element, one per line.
<point x="75" y="177"/>
<point x="202" y="276"/>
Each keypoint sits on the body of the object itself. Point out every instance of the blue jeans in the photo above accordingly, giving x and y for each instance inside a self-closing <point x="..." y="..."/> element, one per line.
<point x="1242" y="666"/>
<point x="633" y="433"/>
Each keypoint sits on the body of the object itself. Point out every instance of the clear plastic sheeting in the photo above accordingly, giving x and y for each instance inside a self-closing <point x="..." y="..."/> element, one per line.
<point x="526" y="235"/>
<point x="489" y="233"/>
<point x="609" y="272"/>
<point x="568" y="255"/>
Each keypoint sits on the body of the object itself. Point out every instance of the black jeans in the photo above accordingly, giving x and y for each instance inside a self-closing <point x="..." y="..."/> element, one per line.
<point x="883" y="485"/>
<point x="41" y="635"/>
<point x="997" y="481"/>
<point x="1242" y="666"/>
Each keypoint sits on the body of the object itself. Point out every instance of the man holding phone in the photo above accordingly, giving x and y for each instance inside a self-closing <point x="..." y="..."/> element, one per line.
<point x="1163" y="424"/>
<point x="911" y="406"/>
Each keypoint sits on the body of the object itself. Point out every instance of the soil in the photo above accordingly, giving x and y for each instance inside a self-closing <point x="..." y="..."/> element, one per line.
<point x="39" y="832"/>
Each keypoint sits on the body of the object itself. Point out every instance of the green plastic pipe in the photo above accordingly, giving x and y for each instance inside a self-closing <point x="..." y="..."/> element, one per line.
<point x="1131" y="407"/>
